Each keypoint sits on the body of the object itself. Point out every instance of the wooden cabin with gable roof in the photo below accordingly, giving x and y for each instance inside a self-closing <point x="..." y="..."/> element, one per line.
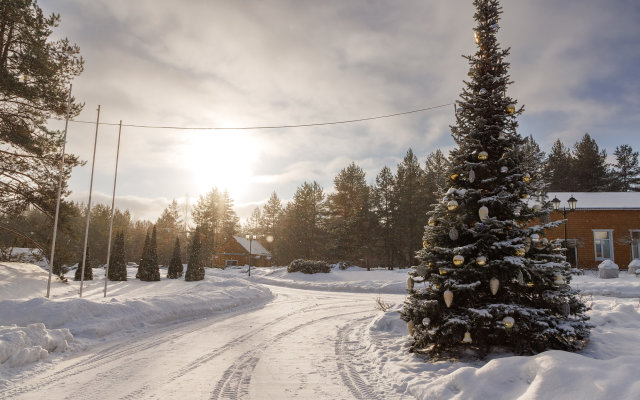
<point x="238" y="250"/>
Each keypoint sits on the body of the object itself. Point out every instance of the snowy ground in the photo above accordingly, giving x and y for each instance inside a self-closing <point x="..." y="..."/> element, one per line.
<point x="302" y="336"/>
<point x="352" y="279"/>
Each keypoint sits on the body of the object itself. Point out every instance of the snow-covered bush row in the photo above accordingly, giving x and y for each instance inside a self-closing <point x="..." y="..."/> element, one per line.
<point x="309" y="266"/>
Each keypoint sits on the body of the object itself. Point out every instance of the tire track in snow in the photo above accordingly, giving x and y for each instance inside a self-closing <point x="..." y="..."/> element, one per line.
<point x="119" y="351"/>
<point x="235" y="342"/>
<point x="240" y="340"/>
<point x="235" y="381"/>
<point x="364" y="385"/>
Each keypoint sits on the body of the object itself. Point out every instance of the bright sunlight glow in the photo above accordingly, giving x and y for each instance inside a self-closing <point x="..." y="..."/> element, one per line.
<point x="221" y="159"/>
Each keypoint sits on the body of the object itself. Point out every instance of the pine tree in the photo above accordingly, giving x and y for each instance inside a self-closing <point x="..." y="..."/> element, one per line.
<point x="348" y="223"/>
<point x="412" y="205"/>
<point x="117" y="263"/>
<point x="271" y="213"/>
<point x="35" y="72"/>
<point x="195" y="268"/>
<point x="589" y="166"/>
<point x="148" y="269"/>
<point x="436" y="168"/>
<point x="384" y="207"/>
<point x="88" y="268"/>
<point x="168" y="225"/>
<point x="626" y="171"/>
<point x="559" y="167"/>
<point x="175" y="265"/>
<point x="144" y="257"/>
<point x="488" y="278"/>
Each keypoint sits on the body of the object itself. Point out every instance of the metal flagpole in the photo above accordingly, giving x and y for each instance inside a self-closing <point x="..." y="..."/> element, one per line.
<point x="113" y="199"/>
<point x="55" y="220"/>
<point x="86" y="232"/>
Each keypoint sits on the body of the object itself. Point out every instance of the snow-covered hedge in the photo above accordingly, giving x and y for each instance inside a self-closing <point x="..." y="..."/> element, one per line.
<point x="308" y="266"/>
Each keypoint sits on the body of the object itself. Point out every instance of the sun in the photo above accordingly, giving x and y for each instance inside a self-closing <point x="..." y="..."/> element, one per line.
<point x="222" y="159"/>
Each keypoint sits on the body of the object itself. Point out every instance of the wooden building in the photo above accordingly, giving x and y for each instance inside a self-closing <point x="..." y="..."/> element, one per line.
<point x="240" y="251"/>
<point x="603" y="226"/>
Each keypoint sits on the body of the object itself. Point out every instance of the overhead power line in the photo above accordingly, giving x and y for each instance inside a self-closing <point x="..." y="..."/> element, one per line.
<point x="348" y="121"/>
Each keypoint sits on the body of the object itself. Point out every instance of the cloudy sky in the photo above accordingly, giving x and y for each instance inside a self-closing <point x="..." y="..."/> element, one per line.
<point x="213" y="63"/>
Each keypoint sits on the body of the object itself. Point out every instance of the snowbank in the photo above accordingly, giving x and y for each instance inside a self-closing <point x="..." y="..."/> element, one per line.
<point x="22" y="280"/>
<point x="625" y="286"/>
<point x="353" y="279"/>
<point x="605" y="369"/>
<point x="31" y="325"/>
<point x="24" y="345"/>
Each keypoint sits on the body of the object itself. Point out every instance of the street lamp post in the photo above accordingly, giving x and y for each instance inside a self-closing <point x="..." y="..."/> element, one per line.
<point x="250" y="238"/>
<point x="572" y="206"/>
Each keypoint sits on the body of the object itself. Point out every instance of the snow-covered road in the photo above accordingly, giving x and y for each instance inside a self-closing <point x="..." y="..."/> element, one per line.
<point x="304" y="344"/>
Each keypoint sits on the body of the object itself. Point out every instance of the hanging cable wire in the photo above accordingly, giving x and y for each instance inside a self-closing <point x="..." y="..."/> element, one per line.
<point x="348" y="121"/>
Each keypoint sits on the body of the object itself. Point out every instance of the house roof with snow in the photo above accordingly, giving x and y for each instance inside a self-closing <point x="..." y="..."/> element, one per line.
<point x="256" y="247"/>
<point x="599" y="200"/>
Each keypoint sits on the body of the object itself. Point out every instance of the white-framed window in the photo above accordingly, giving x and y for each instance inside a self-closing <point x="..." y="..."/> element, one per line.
<point x="231" y="263"/>
<point x="603" y="243"/>
<point x="635" y="243"/>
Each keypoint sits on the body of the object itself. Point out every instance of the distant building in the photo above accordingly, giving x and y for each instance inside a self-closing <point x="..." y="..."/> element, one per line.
<point x="240" y="251"/>
<point x="604" y="226"/>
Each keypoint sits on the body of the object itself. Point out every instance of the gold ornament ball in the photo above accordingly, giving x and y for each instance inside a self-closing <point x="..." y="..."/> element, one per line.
<point x="508" y="322"/>
<point x="433" y="222"/>
<point x="530" y="284"/>
<point x="443" y="271"/>
<point x="481" y="260"/>
<point x="425" y="244"/>
<point x="524" y="195"/>
<point x="520" y="252"/>
<point x="458" y="260"/>
<point x="452" y="205"/>
<point x="483" y="155"/>
<point x="526" y="178"/>
<point x="454" y="176"/>
<point x="511" y="109"/>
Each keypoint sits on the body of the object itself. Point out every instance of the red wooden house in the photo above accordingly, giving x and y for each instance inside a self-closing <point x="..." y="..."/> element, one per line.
<point x="240" y="251"/>
<point x="603" y="226"/>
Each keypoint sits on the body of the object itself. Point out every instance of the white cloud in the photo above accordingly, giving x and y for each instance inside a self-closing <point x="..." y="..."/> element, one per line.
<point x="202" y="63"/>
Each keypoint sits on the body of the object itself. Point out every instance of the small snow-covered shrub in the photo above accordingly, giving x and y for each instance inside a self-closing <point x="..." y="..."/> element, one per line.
<point x="608" y="269"/>
<point x="634" y="266"/>
<point x="308" y="266"/>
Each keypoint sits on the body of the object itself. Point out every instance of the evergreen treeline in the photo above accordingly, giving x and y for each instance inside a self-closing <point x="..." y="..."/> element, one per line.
<point x="381" y="224"/>
<point x="213" y="212"/>
<point x="358" y="223"/>
<point x="584" y="168"/>
<point x="364" y="221"/>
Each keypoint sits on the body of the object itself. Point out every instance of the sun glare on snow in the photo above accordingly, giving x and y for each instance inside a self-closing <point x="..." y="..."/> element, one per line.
<point x="224" y="160"/>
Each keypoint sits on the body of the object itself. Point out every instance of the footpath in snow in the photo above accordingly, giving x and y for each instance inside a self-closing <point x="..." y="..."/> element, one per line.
<point x="32" y="326"/>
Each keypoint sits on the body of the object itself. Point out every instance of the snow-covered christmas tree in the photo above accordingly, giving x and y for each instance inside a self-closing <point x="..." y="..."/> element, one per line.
<point x="489" y="279"/>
